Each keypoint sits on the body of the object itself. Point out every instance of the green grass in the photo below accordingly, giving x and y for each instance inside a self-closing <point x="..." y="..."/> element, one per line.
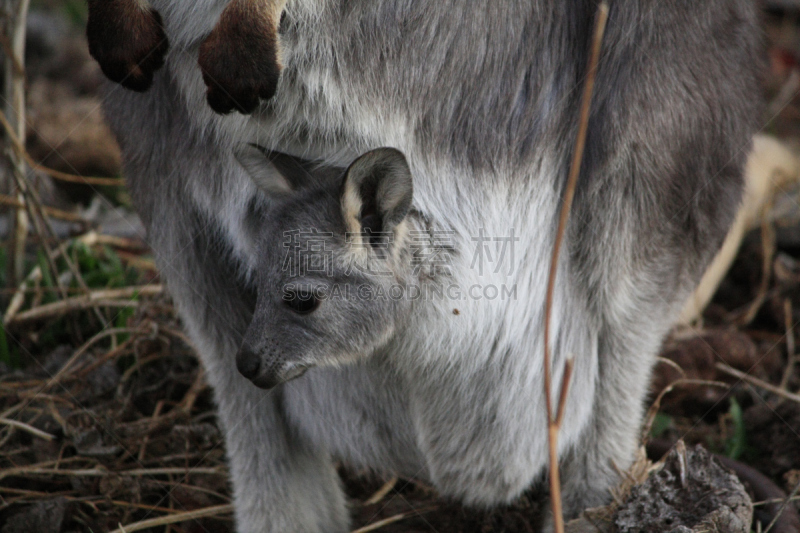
<point x="735" y="444"/>
<point x="100" y="268"/>
<point x="661" y="423"/>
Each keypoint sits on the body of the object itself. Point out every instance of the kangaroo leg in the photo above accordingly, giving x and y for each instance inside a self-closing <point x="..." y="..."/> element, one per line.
<point x="281" y="482"/>
<point x="240" y="59"/>
<point x="610" y="441"/>
<point x="127" y="39"/>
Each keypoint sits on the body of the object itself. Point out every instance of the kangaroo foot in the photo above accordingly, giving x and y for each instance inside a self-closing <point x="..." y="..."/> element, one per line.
<point x="128" y="41"/>
<point x="240" y="60"/>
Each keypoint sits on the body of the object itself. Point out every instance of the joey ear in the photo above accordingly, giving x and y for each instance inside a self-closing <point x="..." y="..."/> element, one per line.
<point x="279" y="173"/>
<point x="377" y="192"/>
<point x="266" y="176"/>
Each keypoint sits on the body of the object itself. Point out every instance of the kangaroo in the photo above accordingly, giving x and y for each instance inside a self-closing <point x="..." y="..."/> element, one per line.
<point x="239" y="59"/>
<point x="476" y="105"/>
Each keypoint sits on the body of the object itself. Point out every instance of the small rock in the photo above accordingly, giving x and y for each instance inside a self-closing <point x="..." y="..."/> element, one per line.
<point x="691" y="493"/>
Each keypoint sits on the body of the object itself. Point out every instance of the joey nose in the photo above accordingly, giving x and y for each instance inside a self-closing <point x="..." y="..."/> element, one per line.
<point x="248" y="362"/>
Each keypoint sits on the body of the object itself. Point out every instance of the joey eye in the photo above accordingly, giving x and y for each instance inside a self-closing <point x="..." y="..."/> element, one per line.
<point x="302" y="302"/>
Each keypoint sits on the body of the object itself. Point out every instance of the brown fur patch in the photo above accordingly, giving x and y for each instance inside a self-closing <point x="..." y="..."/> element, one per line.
<point x="240" y="60"/>
<point x="128" y="41"/>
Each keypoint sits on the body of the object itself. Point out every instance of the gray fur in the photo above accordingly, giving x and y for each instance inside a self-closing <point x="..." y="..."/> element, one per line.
<point x="482" y="98"/>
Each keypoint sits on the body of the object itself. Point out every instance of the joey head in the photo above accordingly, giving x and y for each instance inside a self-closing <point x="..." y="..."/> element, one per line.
<point x="325" y="252"/>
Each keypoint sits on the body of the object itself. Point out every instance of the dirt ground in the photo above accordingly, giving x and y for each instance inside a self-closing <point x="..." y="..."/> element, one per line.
<point x="106" y="419"/>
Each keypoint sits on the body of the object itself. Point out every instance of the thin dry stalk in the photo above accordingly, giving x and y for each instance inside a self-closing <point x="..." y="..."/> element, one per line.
<point x="136" y="367"/>
<point x="8" y="49"/>
<point x="194" y="391"/>
<point x="673" y="364"/>
<point x="392" y="519"/>
<point x="176" y="518"/>
<point x="102" y="472"/>
<point x="382" y="492"/>
<point x="33" y="202"/>
<point x="22" y="470"/>
<point x="130" y="504"/>
<point x="42" y="224"/>
<point x="146" y="438"/>
<point x="654" y="408"/>
<point x="16" y="15"/>
<point x="108" y="356"/>
<point x="783" y="506"/>
<point x="92" y="238"/>
<point x="83" y="349"/>
<point x="776" y="500"/>
<point x="27" y="428"/>
<point x="758" y="383"/>
<point x="18" y="300"/>
<point x="192" y="488"/>
<point x="72" y="178"/>
<point x="562" y="400"/>
<point x="768" y="251"/>
<point x="50" y="211"/>
<point x="91" y="300"/>
<point x="553" y="424"/>
<point x="58" y="175"/>
<point x="80" y="303"/>
<point x="89" y="239"/>
<point x="788" y="317"/>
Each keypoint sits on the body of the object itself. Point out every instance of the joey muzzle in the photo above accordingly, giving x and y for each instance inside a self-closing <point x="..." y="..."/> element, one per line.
<point x="264" y="373"/>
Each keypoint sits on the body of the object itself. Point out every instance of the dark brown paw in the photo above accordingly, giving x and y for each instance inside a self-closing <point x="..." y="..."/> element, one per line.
<point x="239" y="59"/>
<point x="128" y="42"/>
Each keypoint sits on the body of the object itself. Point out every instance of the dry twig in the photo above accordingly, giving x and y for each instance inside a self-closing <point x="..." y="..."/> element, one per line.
<point x="654" y="408"/>
<point x="93" y="299"/>
<point x="392" y="519"/>
<point x="15" y="23"/>
<point x="42" y="223"/>
<point x="27" y="428"/>
<point x="782" y="508"/>
<point x="791" y="356"/>
<point x="758" y="382"/>
<point x="56" y="174"/>
<point x="176" y="518"/>
<point x="768" y="251"/>
<point x="382" y="492"/>
<point x="554" y="424"/>
<point x="50" y="211"/>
